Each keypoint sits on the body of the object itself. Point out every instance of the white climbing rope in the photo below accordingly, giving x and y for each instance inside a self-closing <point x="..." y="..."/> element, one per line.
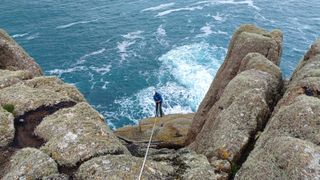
<point x="146" y="155"/>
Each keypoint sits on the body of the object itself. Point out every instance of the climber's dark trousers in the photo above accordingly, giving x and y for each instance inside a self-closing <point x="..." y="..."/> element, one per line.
<point x="159" y="109"/>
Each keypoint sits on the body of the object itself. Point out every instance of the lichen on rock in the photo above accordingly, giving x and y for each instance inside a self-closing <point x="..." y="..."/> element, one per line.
<point x="6" y="128"/>
<point x="115" y="167"/>
<point x="289" y="146"/>
<point x="77" y="134"/>
<point x="30" y="163"/>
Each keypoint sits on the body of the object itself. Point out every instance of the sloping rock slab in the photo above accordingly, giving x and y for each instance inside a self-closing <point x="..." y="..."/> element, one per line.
<point x="30" y="163"/>
<point x="170" y="130"/>
<point x="76" y="134"/>
<point x="116" y="167"/>
<point x="13" y="57"/>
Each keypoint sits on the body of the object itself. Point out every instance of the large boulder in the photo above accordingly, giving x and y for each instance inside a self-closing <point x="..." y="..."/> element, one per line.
<point x="6" y="128"/>
<point x="234" y="127"/>
<point x="123" y="167"/>
<point x="30" y="163"/>
<point x="242" y="111"/>
<point x="282" y="158"/>
<point x="8" y="78"/>
<point x="289" y="146"/>
<point x="13" y="57"/>
<point x="171" y="130"/>
<point x="247" y="39"/>
<point x="77" y="134"/>
<point x="38" y="92"/>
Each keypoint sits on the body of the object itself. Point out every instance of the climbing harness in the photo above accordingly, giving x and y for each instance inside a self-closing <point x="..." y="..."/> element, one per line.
<point x="145" y="156"/>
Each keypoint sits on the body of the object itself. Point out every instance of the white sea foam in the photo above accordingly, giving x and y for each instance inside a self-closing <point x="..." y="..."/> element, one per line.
<point x="260" y="17"/>
<point x="68" y="70"/>
<point x="206" y="31"/>
<point x="160" y="7"/>
<point x="247" y="2"/>
<point x="20" y="35"/>
<point x="33" y="36"/>
<point x="105" y="85"/>
<point x="219" y="17"/>
<point x="101" y="70"/>
<point x="122" y="48"/>
<point x="94" y="53"/>
<point x="164" y="13"/>
<point x="74" y="23"/>
<point x="161" y="36"/>
<point x="134" y="35"/>
<point x="192" y="67"/>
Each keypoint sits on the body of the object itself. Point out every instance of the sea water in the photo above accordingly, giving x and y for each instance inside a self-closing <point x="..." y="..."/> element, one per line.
<point x="117" y="52"/>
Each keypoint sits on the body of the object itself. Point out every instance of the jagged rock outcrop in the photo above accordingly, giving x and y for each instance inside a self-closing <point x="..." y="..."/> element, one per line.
<point x="247" y="39"/>
<point x="30" y="163"/>
<point x="171" y="130"/>
<point x="13" y="57"/>
<point x="8" y="78"/>
<point x="76" y="134"/>
<point x="289" y="148"/>
<point x="122" y="167"/>
<point x="6" y="128"/>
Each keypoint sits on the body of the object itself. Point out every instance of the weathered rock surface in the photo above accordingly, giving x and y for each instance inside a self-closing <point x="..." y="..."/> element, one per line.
<point x="305" y="78"/>
<point x="115" y="167"/>
<point x="194" y="166"/>
<point x="242" y="111"/>
<point x="30" y="163"/>
<point x="242" y="119"/>
<point x="76" y="134"/>
<point x="289" y="148"/>
<point x="170" y="130"/>
<point x="6" y="128"/>
<point x="13" y="57"/>
<point x="8" y="78"/>
<point x="25" y="98"/>
<point x="247" y="39"/>
<point x="56" y="85"/>
<point x="57" y="177"/>
<point x="38" y="92"/>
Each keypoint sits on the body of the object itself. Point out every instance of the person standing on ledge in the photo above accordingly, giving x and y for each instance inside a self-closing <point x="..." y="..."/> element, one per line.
<point x="158" y="100"/>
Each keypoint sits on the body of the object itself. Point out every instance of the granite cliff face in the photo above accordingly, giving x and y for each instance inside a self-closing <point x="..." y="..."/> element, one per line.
<point x="249" y="125"/>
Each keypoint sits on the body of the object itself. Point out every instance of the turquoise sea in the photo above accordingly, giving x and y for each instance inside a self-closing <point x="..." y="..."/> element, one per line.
<point x="117" y="52"/>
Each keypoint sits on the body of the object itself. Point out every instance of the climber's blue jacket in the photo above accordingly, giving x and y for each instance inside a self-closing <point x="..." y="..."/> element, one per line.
<point x="157" y="97"/>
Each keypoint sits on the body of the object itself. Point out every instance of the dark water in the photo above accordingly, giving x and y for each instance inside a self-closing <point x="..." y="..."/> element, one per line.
<point x="118" y="52"/>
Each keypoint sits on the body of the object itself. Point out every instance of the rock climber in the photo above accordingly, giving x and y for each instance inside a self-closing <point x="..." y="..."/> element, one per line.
<point x="158" y="100"/>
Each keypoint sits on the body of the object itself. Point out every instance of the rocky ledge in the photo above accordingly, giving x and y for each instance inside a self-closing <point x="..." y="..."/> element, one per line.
<point x="249" y="125"/>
